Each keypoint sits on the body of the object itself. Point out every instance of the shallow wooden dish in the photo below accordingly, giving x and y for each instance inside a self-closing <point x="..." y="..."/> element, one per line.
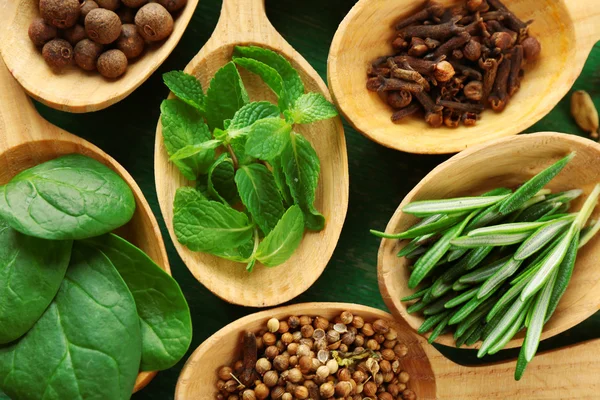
<point x="505" y="162"/>
<point x="432" y="375"/>
<point x="75" y="90"/>
<point x="246" y="23"/>
<point x="26" y="140"/>
<point x="567" y="30"/>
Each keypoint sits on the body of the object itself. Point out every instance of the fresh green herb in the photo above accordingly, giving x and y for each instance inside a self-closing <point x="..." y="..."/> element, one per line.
<point x="164" y="313"/>
<point x="263" y="163"/>
<point x="497" y="233"/>
<point x="87" y="344"/>
<point x="27" y="265"/>
<point x="71" y="197"/>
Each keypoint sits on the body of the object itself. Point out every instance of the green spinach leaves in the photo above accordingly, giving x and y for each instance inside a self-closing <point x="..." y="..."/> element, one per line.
<point x="263" y="169"/>
<point x="71" y="197"/>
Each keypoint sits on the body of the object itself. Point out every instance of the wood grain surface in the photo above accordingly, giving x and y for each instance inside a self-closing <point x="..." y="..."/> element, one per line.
<point x="246" y="23"/>
<point x="379" y="178"/>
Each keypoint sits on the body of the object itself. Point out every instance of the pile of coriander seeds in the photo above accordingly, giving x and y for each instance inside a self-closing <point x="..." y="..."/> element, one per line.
<point x="101" y="35"/>
<point x="305" y="357"/>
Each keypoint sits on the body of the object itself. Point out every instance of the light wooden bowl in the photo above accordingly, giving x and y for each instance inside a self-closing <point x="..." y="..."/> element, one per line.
<point x="432" y="375"/>
<point x="26" y="140"/>
<point x="567" y="30"/>
<point x="505" y="162"/>
<point x="241" y="23"/>
<point x="75" y="90"/>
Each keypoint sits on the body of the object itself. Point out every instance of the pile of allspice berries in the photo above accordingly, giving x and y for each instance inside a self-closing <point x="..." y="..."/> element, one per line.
<point x="304" y="357"/>
<point x="101" y="35"/>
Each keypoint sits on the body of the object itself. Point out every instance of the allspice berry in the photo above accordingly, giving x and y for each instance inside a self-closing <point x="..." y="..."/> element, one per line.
<point x="74" y="34"/>
<point x="154" y="22"/>
<point x="41" y="32"/>
<point x="58" y="53"/>
<point x="112" y="63"/>
<point x="172" y="5"/>
<point x="86" y="7"/>
<point x="130" y="42"/>
<point x="102" y="26"/>
<point x="134" y="3"/>
<point x="60" y="13"/>
<point x="111" y="5"/>
<point x="86" y="56"/>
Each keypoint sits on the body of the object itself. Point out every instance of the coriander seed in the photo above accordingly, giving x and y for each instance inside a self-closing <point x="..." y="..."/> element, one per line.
<point x="327" y="390"/>
<point x="333" y="336"/>
<point x="321" y="323"/>
<point x="385" y="396"/>
<point x="270" y="378"/>
<point x="287" y="396"/>
<point x="261" y="391"/>
<point x="388" y="354"/>
<point x="301" y="393"/>
<point x="367" y="330"/>
<point x="401" y="350"/>
<point x="409" y="395"/>
<point x="305" y="364"/>
<point x="287" y="338"/>
<point x="343" y="389"/>
<point x="263" y="365"/>
<point x="381" y="326"/>
<point x="225" y="373"/>
<point x="404" y="377"/>
<point x="346" y="317"/>
<point x="358" y="322"/>
<point x="344" y="374"/>
<point x="307" y="331"/>
<point x="333" y="367"/>
<point x="305" y="320"/>
<point x="303" y="350"/>
<point x="283" y="327"/>
<point x="293" y="322"/>
<point x="269" y="339"/>
<point x="273" y="325"/>
<point x="248" y="395"/>
<point x="281" y="363"/>
<point x="277" y="392"/>
<point x="295" y="375"/>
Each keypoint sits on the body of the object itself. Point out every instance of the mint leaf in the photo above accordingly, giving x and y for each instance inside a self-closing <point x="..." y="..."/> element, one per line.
<point x="252" y="112"/>
<point x="226" y="94"/>
<point x="210" y="226"/>
<point x="259" y="193"/>
<point x="279" y="245"/>
<point x="186" y="87"/>
<point x="183" y="125"/>
<point x="301" y="167"/>
<point x="202" y="186"/>
<point x="221" y="183"/>
<point x="204" y="151"/>
<point x="186" y="195"/>
<point x="312" y="107"/>
<point x="267" y="138"/>
<point x="238" y="145"/>
<point x="292" y="84"/>
<point x="282" y="185"/>
<point x="268" y="74"/>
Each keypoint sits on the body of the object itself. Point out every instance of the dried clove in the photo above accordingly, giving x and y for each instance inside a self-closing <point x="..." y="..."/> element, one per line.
<point x="407" y="73"/>
<point x="451" y="118"/>
<point x="491" y="68"/>
<point x="427" y="102"/>
<point x="435" y="119"/>
<point x="417" y="47"/>
<point x="399" y="99"/>
<point x="469" y="119"/>
<point x="501" y="40"/>
<point x="388" y="84"/>
<point x="472" y="50"/>
<point x="531" y="48"/>
<point x="473" y="90"/>
<point x="464" y="107"/>
<point x="437" y="32"/>
<point x="432" y="43"/>
<point x="514" y="77"/>
<point x="444" y="50"/>
<point x="399" y="115"/>
<point x="444" y="71"/>
<point x="432" y="9"/>
<point x="250" y="352"/>
<point x="500" y="92"/>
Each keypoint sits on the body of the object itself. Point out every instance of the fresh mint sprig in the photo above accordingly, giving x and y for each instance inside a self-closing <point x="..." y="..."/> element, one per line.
<point x="256" y="178"/>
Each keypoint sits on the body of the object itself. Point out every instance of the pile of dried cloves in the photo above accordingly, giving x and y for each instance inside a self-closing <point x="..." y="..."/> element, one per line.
<point x="455" y="62"/>
<point x="305" y="357"/>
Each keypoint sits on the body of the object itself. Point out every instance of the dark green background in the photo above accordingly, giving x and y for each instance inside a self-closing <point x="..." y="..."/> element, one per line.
<point x="379" y="177"/>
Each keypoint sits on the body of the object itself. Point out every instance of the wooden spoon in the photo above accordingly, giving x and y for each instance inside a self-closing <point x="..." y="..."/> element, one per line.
<point x="504" y="162"/>
<point x="567" y="30"/>
<point x="244" y="22"/>
<point x="26" y="140"/>
<point x="75" y="90"/>
<point x="568" y="373"/>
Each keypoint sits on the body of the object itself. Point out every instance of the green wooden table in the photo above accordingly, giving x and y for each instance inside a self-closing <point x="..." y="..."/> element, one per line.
<point x="379" y="177"/>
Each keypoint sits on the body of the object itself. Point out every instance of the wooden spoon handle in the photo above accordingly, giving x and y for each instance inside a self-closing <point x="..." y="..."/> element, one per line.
<point x="243" y="21"/>
<point x="585" y="16"/>
<point x="569" y="373"/>
<point x="19" y="120"/>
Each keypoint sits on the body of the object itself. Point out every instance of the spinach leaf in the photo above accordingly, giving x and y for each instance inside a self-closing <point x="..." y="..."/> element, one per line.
<point x="210" y="226"/>
<point x="312" y="107"/>
<point x="87" y="345"/>
<point x="71" y="197"/>
<point x="164" y="313"/>
<point x="259" y="193"/>
<point x="31" y="271"/>
<point x="267" y="138"/>
<point x="292" y="84"/>
<point x="280" y="244"/>
<point x="221" y="183"/>
<point x="183" y="126"/>
<point x="301" y="167"/>
<point x="225" y="96"/>
<point x="187" y="88"/>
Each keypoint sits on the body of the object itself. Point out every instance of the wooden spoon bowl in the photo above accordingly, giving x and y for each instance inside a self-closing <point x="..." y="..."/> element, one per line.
<point x="432" y="376"/>
<point x="26" y="140"/>
<point x="567" y="30"/>
<point x="504" y="162"/>
<point x="245" y="23"/>
<point x="75" y="90"/>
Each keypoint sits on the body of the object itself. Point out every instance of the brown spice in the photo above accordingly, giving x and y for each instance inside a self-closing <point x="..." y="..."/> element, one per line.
<point x="58" y="53"/>
<point x="584" y="112"/>
<point x="40" y="32"/>
<point x="102" y="26"/>
<point x="86" y="54"/>
<point x="60" y="13"/>
<point x="154" y="22"/>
